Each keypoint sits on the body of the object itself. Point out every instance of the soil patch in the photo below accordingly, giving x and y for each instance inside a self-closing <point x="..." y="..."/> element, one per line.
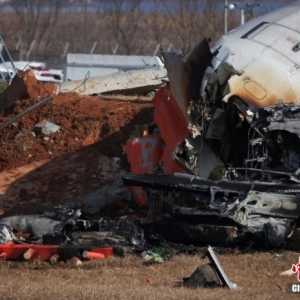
<point x="68" y="166"/>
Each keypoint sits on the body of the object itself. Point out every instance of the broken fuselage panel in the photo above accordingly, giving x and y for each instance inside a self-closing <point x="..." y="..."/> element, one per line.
<point x="230" y="114"/>
<point x="242" y="96"/>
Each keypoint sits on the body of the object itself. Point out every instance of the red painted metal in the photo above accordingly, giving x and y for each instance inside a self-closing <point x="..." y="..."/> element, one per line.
<point x="16" y="251"/>
<point x="170" y="166"/>
<point x="3" y="255"/>
<point x="107" y="251"/>
<point x="92" y="255"/>
<point x="173" y="127"/>
<point x="144" y="153"/>
<point x="169" y="118"/>
<point x="42" y="252"/>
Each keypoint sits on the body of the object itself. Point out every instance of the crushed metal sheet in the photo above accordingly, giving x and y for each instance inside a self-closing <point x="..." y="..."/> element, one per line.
<point x="216" y="264"/>
<point x="239" y="99"/>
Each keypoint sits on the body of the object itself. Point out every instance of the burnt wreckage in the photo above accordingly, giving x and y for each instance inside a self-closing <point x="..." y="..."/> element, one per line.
<point x="227" y="128"/>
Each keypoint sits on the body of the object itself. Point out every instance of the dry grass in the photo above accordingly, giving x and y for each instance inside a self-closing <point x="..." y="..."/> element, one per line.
<point x="115" y="278"/>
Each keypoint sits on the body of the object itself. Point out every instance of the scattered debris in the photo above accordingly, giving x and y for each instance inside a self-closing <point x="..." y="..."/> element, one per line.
<point x="160" y="254"/>
<point x="13" y="251"/>
<point x="34" y="224"/>
<point x="225" y="137"/>
<point x="209" y="275"/>
<point x="288" y="272"/>
<point x="45" y="127"/>
<point x="203" y="276"/>
<point x="220" y="164"/>
<point x="6" y="234"/>
<point x="92" y="255"/>
<point x="219" y="270"/>
<point x="50" y="237"/>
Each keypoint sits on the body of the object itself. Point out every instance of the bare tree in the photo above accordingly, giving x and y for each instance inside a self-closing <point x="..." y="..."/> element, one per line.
<point x="159" y="24"/>
<point x="36" y="19"/>
<point x="80" y="27"/>
<point x="136" y="29"/>
<point x="123" y="25"/>
<point x="188" y="21"/>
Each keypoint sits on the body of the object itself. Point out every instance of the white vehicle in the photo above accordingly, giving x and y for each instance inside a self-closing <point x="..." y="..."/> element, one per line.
<point x="40" y="70"/>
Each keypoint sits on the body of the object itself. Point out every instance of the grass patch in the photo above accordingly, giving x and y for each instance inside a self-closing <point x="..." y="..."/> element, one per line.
<point x="128" y="278"/>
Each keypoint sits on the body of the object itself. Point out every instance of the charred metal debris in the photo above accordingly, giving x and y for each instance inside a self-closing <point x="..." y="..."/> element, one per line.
<point x="236" y="157"/>
<point x="220" y="164"/>
<point x="69" y="233"/>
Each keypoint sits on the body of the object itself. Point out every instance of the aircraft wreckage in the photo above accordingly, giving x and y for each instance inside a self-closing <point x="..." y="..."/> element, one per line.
<point x="220" y="165"/>
<point x="227" y="133"/>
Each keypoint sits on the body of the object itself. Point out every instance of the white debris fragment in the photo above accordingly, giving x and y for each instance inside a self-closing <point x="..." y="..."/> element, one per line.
<point x="287" y="273"/>
<point x="45" y="127"/>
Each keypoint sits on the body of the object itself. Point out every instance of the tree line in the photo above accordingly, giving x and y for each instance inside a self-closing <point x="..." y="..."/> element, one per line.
<point x="131" y="27"/>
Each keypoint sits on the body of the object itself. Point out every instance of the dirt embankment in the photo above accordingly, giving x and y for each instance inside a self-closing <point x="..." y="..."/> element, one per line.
<point x="87" y="125"/>
<point x="83" y="121"/>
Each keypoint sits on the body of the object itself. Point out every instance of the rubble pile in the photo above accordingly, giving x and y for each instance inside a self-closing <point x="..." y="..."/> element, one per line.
<point x="84" y="120"/>
<point x="64" y="165"/>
